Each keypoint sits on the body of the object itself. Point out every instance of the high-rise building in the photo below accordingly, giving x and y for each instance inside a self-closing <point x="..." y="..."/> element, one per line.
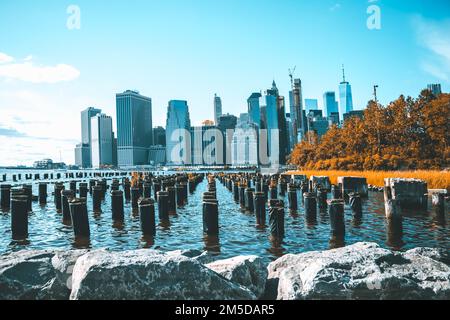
<point x="345" y="95"/>
<point x="277" y="145"/>
<point x="86" y="116"/>
<point x="435" y="89"/>
<point x="217" y="108"/>
<point x="134" y="128"/>
<point x="101" y="141"/>
<point x="83" y="155"/>
<point x="227" y="124"/>
<point x="157" y="155"/>
<point x="178" y="137"/>
<point x="311" y="104"/>
<point x="159" y="136"/>
<point x="207" y="145"/>
<point x="244" y="145"/>
<point x="254" y="106"/>
<point x="296" y="110"/>
<point x="330" y="104"/>
<point x="317" y="123"/>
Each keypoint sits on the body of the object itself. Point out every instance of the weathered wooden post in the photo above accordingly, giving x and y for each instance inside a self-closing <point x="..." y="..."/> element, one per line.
<point x="310" y="205"/>
<point x="73" y="186"/>
<point x="147" y="190"/>
<point x="249" y="205"/>
<point x="322" y="199"/>
<point x="80" y="219"/>
<point x="66" y="196"/>
<point x="127" y="190"/>
<point x="172" y="200"/>
<point x="29" y="192"/>
<point x="236" y="191"/>
<point x="276" y="219"/>
<point x="42" y="193"/>
<point x="260" y="208"/>
<point x="134" y="199"/>
<point x="335" y="192"/>
<point x="5" y="194"/>
<point x="57" y="196"/>
<point x="337" y="223"/>
<point x="156" y="189"/>
<point x="97" y="192"/>
<point x="19" y="217"/>
<point x="292" y="197"/>
<point x="147" y="217"/>
<point x="163" y="206"/>
<point x="273" y="192"/>
<point x="355" y="204"/>
<point x="210" y="218"/>
<point x="242" y="196"/>
<point x="83" y="190"/>
<point x="117" y="205"/>
<point x="179" y="195"/>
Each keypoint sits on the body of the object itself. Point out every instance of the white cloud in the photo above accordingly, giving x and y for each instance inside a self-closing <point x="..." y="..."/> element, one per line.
<point x="4" y="58"/>
<point x="29" y="72"/>
<point x="435" y="37"/>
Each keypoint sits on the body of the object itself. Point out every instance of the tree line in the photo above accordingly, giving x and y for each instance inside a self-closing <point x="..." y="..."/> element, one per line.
<point x="409" y="133"/>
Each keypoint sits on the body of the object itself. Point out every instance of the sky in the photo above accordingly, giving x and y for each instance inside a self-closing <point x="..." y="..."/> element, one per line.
<point x="56" y="61"/>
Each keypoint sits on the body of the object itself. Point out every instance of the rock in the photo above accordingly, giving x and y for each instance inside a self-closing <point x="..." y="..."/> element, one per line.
<point x="27" y="275"/>
<point x="149" y="275"/>
<point x="63" y="262"/>
<point x="362" y="271"/>
<point x="248" y="271"/>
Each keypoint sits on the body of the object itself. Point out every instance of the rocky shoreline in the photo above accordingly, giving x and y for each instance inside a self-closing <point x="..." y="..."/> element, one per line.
<point x="358" y="271"/>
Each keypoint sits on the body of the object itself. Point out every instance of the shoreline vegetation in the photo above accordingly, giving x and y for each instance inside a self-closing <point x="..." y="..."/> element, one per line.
<point x="435" y="179"/>
<point x="406" y="135"/>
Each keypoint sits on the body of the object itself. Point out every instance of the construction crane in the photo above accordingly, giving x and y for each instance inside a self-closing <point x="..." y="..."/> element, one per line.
<point x="291" y="75"/>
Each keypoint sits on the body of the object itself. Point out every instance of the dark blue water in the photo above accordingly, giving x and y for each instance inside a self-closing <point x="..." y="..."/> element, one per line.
<point x="238" y="234"/>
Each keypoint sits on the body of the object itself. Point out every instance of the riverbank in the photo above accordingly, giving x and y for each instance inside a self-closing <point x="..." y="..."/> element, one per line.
<point x="434" y="179"/>
<point x="357" y="272"/>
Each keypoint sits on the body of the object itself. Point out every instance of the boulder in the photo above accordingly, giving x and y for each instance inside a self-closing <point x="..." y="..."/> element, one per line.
<point x="27" y="275"/>
<point x="149" y="275"/>
<point x="248" y="271"/>
<point x="203" y="257"/>
<point x="362" y="271"/>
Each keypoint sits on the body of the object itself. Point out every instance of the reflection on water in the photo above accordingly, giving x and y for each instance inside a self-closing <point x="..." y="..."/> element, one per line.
<point x="239" y="234"/>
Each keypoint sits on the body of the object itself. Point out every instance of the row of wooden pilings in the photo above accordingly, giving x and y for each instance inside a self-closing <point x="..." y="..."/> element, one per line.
<point x="171" y="192"/>
<point x="17" y="177"/>
<point x="256" y="194"/>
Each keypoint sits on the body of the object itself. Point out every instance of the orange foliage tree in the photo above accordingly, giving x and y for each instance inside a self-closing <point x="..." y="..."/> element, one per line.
<point x="406" y="134"/>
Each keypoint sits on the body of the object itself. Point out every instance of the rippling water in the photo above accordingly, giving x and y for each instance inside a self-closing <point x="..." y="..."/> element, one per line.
<point x="238" y="234"/>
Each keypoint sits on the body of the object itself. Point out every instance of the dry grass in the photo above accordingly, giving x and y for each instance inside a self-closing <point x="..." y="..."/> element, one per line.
<point x="434" y="179"/>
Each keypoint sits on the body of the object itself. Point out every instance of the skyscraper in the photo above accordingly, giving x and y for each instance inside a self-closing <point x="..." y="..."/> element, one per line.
<point x="296" y="111"/>
<point x="134" y="128"/>
<point x="178" y="125"/>
<point x="330" y="104"/>
<point x="159" y="136"/>
<point x="345" y="95"/>
<point x="311" y="104"/>
<point x="83" y="155"/>
<point x="227" y="124"/>
<point x="217" y="108"/>
<point x="253" y="103"/>
<point x="102" y="141"/>
<point x="86" y="116"/>
<point x="435" y="89"/>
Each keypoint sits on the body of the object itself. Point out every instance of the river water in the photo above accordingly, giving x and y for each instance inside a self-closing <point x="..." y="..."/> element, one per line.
<point x="238" y="234"/>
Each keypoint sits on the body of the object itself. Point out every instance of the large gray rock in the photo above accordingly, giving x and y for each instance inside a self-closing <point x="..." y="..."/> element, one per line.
<point x="28" y="275"/>
<point x="362" y="271"/>
<point x="201" y="256"/>
<point x="149" y="274"/>
<point x="248" y="271"/>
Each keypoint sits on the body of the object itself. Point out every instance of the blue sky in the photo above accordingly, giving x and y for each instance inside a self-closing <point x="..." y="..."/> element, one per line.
<point x="191" y="49"/>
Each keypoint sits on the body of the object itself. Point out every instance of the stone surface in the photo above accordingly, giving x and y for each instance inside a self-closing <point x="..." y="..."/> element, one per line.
<point x="28" y="275"/>
<point x="248" y="271"/>
<point x="363" y="271"/>
<point x="203" y="257"/>
<point x="149" y="275"/>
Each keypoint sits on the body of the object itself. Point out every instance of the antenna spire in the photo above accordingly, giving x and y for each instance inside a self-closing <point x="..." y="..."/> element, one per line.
<point x="343" y="73"/>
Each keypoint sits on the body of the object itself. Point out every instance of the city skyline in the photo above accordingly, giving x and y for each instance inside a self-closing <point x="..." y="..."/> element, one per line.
<point x="45" y="85"/>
